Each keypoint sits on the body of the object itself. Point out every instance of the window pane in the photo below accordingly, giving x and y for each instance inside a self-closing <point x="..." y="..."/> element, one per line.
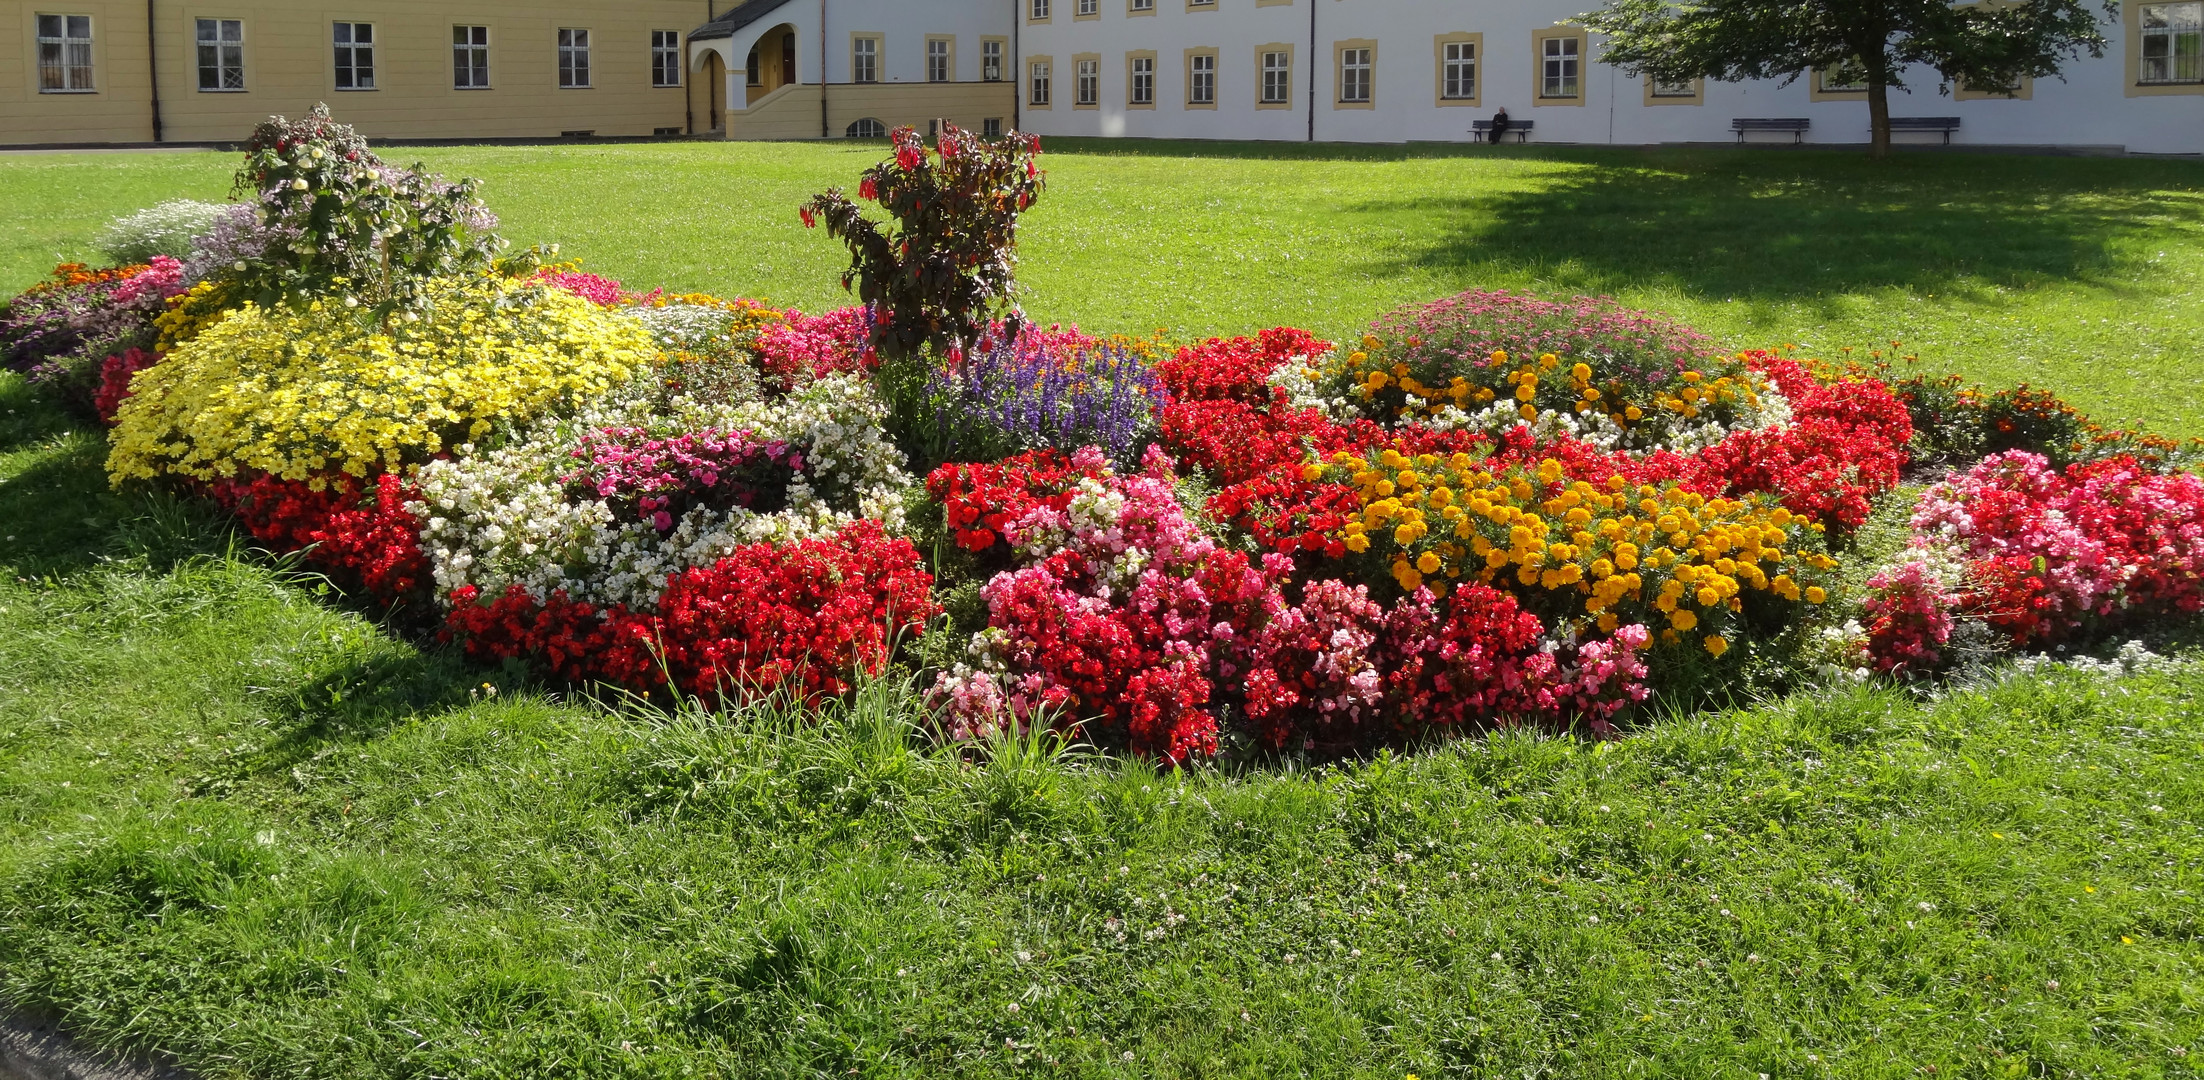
<point x="80" y="26"/>
<point x="49" y="26"/>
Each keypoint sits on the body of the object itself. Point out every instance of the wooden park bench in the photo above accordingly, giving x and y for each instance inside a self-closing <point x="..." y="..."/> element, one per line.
<point x="1796" y="125"/>
<point x="1945" y="124"/>
<point x="1521" y="129"/>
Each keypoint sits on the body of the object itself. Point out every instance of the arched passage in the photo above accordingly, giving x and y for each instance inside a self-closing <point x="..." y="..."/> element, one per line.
<point x="771" y="63"/>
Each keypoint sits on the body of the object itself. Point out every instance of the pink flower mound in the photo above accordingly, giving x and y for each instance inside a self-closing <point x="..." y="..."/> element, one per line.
<point x="1909" y="618"/>
<point x="114" y="380"/>
<point x="804" y="347"/>
<point x="2053" y="555"/>
<point x="602" y="291"/>
<point x="657" y="480"/>
<point x="1471" y="326"/>
<point x="161" y="279"/>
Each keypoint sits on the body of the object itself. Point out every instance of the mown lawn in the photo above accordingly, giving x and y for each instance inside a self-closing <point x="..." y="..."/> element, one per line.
<point x="2074" y="273"/>
<point x="245" y="826"/>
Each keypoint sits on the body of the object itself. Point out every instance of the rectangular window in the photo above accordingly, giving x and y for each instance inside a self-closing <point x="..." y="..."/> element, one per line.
<point x="64" y="54"/>
<point x="1089" y="8"/>
<point x="665" y="58"/>
<point x="2173" y="43"/>
<point x="864" y="60"/>
<point x="470" y="58"/>
<point x="1143" y="5"/>
<point x="1673" y="88"/>
<point x="1144" y="81"/>
<point x="1201" y="79"/>
<point x="1089" y="83"/>
<point x="1354" y="76"/>
<point x="1458" y="71"/>
<point x="355" y="43"/>
<point x="937" y="60"/>
<point x="1849" y="77"/>
<point x="573" y="58"/>
<point x="1191" y="4"/>
<point x="1561" y="59"/>
<point x="1040" y="83"/>
<point x="992" y="127"/>
<point x="221" y="54"/>
<point x="1040" y="10"/>
<point x="991" y="60"/>
<point x="1277" y="77"/>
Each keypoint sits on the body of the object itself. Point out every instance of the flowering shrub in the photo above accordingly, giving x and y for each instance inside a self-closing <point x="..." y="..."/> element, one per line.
<point x="798" y="348"/>
<point x="303" y="393"/>
<point x="1236" y="369"/>
<point x="1909" y="611"/>
<point x="656" y="480"/>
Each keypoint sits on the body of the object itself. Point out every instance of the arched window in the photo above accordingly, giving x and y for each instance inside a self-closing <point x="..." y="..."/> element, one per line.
<point x="868" y="128"/>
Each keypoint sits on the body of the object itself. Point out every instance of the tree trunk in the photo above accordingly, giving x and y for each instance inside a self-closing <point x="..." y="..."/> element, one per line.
<point x="1878" y="117"/>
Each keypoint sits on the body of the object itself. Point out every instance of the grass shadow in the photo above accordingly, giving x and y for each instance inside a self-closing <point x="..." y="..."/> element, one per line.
<point x="1799" y="226"/>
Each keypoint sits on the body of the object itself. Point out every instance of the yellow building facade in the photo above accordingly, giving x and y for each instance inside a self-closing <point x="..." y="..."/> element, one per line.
<point x="107" y="71"/>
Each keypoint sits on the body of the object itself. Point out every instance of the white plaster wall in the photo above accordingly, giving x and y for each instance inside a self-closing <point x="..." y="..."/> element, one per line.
<point x="2088" y="108"/>
<point x="904" y="26"/>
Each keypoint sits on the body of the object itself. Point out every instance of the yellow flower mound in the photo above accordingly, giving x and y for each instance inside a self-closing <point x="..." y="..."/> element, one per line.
<point x="301" y="393"/>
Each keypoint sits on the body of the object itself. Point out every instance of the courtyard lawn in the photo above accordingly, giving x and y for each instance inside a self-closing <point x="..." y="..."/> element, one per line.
<point x="2077" y="274"/>
<point x="244" y="825"/>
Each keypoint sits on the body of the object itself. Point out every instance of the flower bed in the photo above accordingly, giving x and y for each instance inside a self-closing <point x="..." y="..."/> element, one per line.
<point x="1494" y="509"/>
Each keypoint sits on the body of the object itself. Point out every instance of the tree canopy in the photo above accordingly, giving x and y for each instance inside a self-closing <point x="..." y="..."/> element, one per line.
<point x="1990" y="45"/>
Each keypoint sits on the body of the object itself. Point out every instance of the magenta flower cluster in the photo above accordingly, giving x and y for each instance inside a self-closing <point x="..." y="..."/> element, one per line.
<point x="659" y="479"/>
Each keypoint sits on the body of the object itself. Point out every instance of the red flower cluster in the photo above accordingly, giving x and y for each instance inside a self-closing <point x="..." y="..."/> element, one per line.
<point x="979" y="499"/>
<point x="364" y="540"/>
<point x="802" y="347"/>
<point x="114" y="380"/>
<point x="803" y="618"/>
<point x="1844" y="448"/>
<point x="1235" y="369"/>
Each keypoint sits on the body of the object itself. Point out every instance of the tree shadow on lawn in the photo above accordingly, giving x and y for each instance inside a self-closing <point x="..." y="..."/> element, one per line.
<point x="1802" y="226"/>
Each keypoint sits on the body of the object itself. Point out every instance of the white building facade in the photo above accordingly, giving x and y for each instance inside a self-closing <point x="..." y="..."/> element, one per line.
<point x="1425" y="70"/>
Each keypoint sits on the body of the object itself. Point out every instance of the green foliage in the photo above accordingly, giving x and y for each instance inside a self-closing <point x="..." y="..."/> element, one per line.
<point x="946" y="263"/>
<point x="1985" y="45"/>
<point x="337" y="219"/>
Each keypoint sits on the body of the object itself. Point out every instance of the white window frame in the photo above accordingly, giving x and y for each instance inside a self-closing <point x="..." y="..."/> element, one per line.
<point x="940" y="60"/>
<point x="574" y="58"/>
<point x="1143" y="6"/>
<point x="1037" y="83"/>
<point x="1458" y="71"/>
<point x="221" y="56"/>
<point x="1355" y="70"/>
<point x="1141" y="88"/>
<point x="2173" y="66"/>
<point x="873" y="128"/>
<point x="1661" y="88"/>
<point x="864" y="59"/>
<point x="1277" y="78"/>
<point x="1201" y="79"/>
<point x="1832" y="80"/>
<point x="1561" y="67"/>
<point x="992" y="53"/>
<point x="470" y="57"/>
<point x="1087" y="83"/>
<point x="66" y="60"/>
<point x="1037" y="11"/>
<point x="665" y="58"/>
<point x="1088" y="8"/>
<point x="355" y="58"/>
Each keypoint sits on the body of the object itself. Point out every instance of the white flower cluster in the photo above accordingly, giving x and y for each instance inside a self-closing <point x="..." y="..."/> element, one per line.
<point x="691" y="327"/>
<point x="2133" y="658"/>
<point x="499" y="517"/>
<point x="166" y="229"/>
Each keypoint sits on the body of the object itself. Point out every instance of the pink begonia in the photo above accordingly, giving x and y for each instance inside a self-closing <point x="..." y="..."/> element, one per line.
<point x="162" y="278"/>
<point x="602" y="291"/>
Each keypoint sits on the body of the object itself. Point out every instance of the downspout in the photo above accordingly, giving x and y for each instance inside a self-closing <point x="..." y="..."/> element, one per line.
<point x="152" y="73"/>
<point x="824" y="128"/>
<point x="1311" y="75"/>
<point x="1016" y="73"/>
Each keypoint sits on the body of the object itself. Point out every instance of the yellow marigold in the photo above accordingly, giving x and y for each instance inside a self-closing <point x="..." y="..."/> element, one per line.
<point x="303" y="393"/>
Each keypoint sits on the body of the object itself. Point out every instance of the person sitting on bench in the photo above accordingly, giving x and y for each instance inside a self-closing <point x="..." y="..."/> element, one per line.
<point x="1499" y="125"/>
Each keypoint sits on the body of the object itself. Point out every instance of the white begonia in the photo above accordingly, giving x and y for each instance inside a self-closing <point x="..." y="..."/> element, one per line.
<point x="497" y="518"/>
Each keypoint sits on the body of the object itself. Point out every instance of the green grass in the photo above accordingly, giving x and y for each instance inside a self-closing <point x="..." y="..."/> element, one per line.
<point x="247" y="828"/>
<point x="244" y="826"/>
<point x="2077" y="274"/>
